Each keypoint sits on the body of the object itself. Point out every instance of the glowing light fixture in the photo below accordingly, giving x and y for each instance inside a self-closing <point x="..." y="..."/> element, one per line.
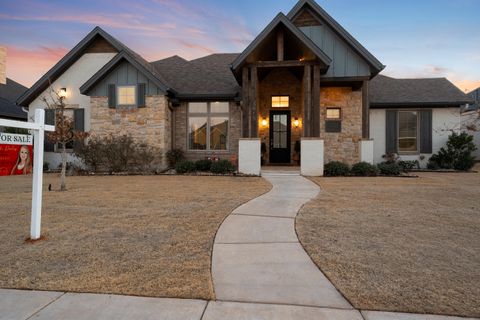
<point x="63" y="93"/>
<point x="264" y="122"/>
<point x="296" y="123"/>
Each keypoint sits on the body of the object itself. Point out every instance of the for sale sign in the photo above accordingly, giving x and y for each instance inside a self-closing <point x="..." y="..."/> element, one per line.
<point x="16" y="155"/>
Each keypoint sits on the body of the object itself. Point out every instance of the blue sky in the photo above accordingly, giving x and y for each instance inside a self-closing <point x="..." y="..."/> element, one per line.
<point x="414" y="38"/>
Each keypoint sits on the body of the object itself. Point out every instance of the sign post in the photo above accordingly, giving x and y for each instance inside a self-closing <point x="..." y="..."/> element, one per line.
<point x="39" y="129"/>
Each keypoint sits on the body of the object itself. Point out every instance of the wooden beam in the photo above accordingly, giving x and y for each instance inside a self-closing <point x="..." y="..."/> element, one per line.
<point x="316" y="102"/>
<point x="280" y="46"/>
<point x="277" y="64"/>
<point x="253" y="102"/>
<point x="245" y="103"/>
<point x="307" y="100"/>
<point x="365" y="110"/>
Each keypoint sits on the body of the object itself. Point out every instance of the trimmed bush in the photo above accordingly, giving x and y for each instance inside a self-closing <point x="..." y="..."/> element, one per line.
<point x="408" y="165"/>
<point x="185" y="166"/>
<point x="457" y="155"/>
<point x="364" y="169"/>
<point x="174" y="156"/>
<point x="203" y="165"/>
<point x="336" y="169"/>
<point x="389" y="169"/>
<point x="222" y="167"/>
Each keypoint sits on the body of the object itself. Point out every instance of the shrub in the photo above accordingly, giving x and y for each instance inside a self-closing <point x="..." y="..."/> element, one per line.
<point x="364" y="169"/>
<point x="389" y="169"/>
<point x="336" y="169"/>
<point x="144" y="157"/>
<point x="185" y="167"/>
<point x="457" y="155"/>
<point x="408" y="165"/>
<point x="92" y="153"/>
<point x="222" y="167"/>
<point x="174" y="156"/>
<point x="203" y="165"/>
<point x="119" y="153"/>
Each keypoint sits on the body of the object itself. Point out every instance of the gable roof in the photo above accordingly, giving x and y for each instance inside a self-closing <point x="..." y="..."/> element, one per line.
<point x="280" y="19"/>
<point x="9" y="93"/>
<point x="139" y="63"/>
<point x="344" y="34"/>
<point x="427" y="92"/>
<point x="69" y="59"/>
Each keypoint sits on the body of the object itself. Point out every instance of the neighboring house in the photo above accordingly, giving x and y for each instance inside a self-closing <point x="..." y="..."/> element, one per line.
<point x="471" y="119"/>
<point x="303" y="76"/>
<point x="9" y="93"/>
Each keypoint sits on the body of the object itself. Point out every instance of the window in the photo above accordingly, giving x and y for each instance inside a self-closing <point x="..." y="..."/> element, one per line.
<point x="69" y="115"/>
<point x="208" y="125"/>
<point x="333" y="124"/>
<point x="126" y="95"/>
<point x="407" y="131"/>
<point x="280" y="102"/>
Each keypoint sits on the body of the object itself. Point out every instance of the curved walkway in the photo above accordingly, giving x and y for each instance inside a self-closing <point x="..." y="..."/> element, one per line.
<point x="257" y="257"/>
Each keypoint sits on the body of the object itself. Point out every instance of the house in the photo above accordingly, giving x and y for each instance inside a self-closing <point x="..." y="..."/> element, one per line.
<point x="10" y="91"/>
<point x="471" y="119"/>
<point x="303" y="76"/>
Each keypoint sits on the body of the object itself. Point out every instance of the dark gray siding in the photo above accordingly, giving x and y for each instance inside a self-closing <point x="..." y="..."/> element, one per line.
<point x="124" y="75"/>
<point x="346" y="62"/>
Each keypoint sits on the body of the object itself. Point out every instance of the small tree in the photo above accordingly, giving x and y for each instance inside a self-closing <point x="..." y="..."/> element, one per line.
<point x="64" y="133"/>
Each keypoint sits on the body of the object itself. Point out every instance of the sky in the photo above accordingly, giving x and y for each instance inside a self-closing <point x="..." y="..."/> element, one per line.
<point x="413" y="38"/>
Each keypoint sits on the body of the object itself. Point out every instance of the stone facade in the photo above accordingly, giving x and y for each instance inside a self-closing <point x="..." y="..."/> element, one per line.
<point x="150" y="125"/>
<point x="343" y="146"/>
<point x="3" y="65"/>
<point x="234" y="134"/>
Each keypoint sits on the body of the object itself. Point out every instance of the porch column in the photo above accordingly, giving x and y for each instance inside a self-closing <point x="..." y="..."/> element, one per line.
<point x="365" y="110"/>
<point x="253" y="102"/>
<point x="307" y="99"/>
<point x="245" y="103"/>
<point x="315" y="130"/>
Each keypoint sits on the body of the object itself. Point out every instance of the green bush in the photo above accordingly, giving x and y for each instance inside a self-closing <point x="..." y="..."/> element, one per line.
<point x="222" y="167"/>
<point x="185" y="166"/>
<point x="457" y="155"/>
<point x="203" y="165"/>
<point x="364" y="169"/>
<point x="389" y="169"/>
<point x="408" y="165"/>
<point x="336" y="169"/>
<point x="174" y="156"/>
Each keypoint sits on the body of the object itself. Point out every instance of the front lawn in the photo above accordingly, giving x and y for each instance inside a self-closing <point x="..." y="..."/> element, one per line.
<point x="147" y="236"/>
<point x="398" y="244"/>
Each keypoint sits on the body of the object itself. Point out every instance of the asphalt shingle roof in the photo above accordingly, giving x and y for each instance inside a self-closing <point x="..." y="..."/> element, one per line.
<point x="9" y="93"/>
<point x="386" y="91"/>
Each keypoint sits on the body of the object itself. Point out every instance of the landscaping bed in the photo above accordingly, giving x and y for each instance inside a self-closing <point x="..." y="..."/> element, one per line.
<point x="132" y="235"/>
<point x="408" y="245"/>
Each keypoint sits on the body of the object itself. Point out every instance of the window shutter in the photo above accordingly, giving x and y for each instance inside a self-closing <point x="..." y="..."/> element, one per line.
<point x="111" y="96"/>
<point x="50" y="120"/>
<point x="392" y="131"/>
<point x="141" y="92"/>
<point x="426" y="131"/>
<point x="78" y="124"/>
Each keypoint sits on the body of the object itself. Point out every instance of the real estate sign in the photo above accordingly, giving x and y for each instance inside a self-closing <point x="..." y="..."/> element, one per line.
<point x="16" y="154"/>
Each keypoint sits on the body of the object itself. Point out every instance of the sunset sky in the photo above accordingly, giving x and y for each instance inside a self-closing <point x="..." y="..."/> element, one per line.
<point x="414" y="38"/>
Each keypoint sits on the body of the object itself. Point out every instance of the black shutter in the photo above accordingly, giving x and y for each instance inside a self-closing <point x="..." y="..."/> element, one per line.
<point x="426" y="131"/>
<point x="392" y="131"/>
<point x="333" y="126"/>
<point x="141" y="92"/>
<point x="49" y="120"/>
<point x="78" y="124"/>
<point x="112" y="103"/>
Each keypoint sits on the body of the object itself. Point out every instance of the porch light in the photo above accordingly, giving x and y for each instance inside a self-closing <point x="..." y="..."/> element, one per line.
<point x="264" y="122"/>
<point x="63" y="93"/>
<point x="296" y="123"/>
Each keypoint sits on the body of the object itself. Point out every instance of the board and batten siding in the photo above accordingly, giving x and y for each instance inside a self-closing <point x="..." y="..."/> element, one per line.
<point x="345" y="61"/>
<point x="124" y="75"/>
<point x="442" y="118"/>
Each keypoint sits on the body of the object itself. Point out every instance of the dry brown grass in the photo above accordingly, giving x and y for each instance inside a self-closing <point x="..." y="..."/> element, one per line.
<point x="394" y="244"/>
<point x="148" y="236"/>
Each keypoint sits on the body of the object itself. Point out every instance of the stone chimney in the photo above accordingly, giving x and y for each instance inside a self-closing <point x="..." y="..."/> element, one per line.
<point x="3" y="65"/>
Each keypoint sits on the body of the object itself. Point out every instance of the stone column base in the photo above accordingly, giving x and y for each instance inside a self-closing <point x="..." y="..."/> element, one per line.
<point x="312" y="157"/>
<point x="249" y="153"/>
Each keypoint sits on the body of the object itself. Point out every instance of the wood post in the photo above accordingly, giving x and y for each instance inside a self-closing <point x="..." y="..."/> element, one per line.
<point x="365" y="110"/>
<point x="245" y="103"/>
<point x="253" y="102"/>
<point x="315" y="130"/>
<point x="307" y="100"/>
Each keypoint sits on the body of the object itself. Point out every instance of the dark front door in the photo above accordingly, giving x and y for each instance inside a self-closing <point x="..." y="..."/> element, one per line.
<point x="280" y="131"/>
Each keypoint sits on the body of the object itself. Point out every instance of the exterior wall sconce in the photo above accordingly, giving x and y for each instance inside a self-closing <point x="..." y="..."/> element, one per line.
<point x="63" y="93"/>
<point x="264" y="122"/>
<point x="296" y="123"/>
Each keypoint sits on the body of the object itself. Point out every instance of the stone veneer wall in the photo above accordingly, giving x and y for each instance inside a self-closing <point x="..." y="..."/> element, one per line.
<point x="234" y="134"/>
<point x="3" y="65"/>
<point x="342" y="146"/>
<point x="150" y="125"/>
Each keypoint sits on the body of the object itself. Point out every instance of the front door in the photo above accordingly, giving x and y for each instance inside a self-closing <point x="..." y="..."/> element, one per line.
<point x="280" y="131"/>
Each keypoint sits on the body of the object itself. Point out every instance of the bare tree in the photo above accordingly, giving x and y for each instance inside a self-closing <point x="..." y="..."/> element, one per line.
<point x="65" y="132"/>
